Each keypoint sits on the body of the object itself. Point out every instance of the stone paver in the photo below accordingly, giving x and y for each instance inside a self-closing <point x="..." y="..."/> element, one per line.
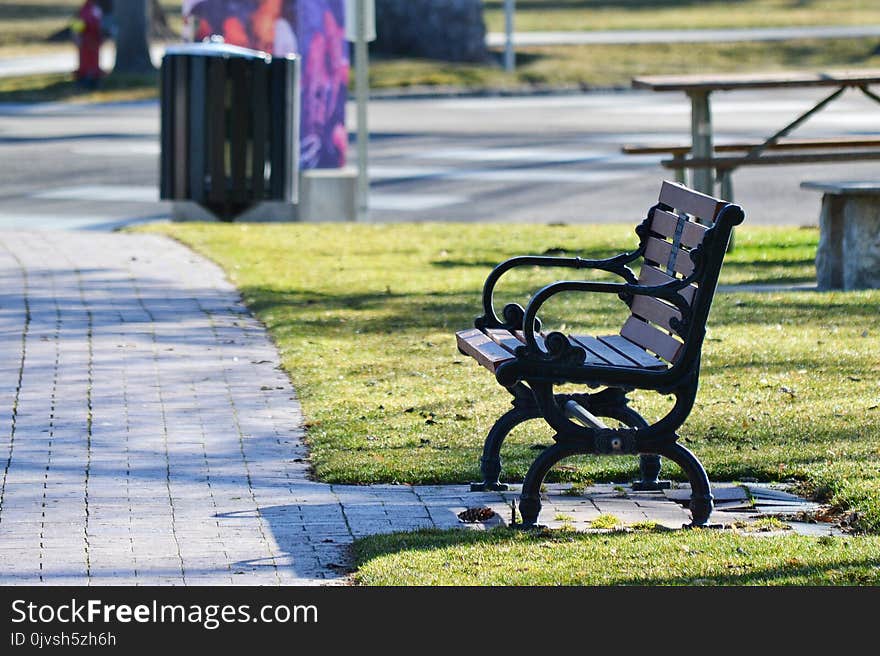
<point x="150" y="436"/>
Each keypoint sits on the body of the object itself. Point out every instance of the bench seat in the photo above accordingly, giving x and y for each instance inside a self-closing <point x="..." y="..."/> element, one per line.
<point x="493" y="347"/>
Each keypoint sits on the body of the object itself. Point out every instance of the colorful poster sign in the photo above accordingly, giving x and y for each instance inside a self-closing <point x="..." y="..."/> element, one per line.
<point x="313" y="29"/>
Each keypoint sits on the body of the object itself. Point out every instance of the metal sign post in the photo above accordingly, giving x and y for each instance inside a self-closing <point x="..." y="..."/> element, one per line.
<point x="509" y="54"/>
<point x="361" y="30"/>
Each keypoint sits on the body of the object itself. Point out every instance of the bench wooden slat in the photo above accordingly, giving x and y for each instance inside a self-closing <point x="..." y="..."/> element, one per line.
<point x="690" y="201"/>
<point x="666" y="224"/>
<point x="649" y="337"/>
<point x="657" y="250"/>
<point x="642" y="358"/>
<point x="478" y="345"/>
<point x="651" y="276"/>
<point x="505" y="339"/>
<point x="590" y="358"/>
<point x="538" y="338"/>
<point x="655" y="311"/>
<point x="601" y="352"/>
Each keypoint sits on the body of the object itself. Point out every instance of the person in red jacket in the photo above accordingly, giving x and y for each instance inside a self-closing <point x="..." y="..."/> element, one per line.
<point x="88" y="35"/>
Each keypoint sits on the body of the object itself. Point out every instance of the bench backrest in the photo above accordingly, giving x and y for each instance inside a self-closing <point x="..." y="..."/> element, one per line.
<point x="682" y="222"/>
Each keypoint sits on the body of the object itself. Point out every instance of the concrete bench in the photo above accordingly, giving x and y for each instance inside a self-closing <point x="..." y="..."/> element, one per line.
<point x="848" y="256"/>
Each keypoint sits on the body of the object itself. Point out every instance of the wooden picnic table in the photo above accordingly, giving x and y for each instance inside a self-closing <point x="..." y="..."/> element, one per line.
<point x="700" y="87"/>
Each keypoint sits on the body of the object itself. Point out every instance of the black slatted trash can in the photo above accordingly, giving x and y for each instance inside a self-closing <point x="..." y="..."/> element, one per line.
<point x="230" y="127"/>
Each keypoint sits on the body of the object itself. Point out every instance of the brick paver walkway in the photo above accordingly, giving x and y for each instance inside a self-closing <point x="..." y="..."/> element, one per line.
<point x="150" y="437"/>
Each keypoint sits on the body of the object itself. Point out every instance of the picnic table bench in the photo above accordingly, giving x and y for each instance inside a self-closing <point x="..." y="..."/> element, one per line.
<point x="730" y="156"/>
<point x="708" y="167"/>
<point x="658" y="348"/>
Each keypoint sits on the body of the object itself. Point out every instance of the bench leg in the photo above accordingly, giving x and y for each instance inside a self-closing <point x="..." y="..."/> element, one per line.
<point x="701" y="491"/>
<point x="680" y="173"/>
<point x="530" y="497"/>
<point x="649" y="463"/>
<point x="649" y="468"/>
<point x="490" y="462"/>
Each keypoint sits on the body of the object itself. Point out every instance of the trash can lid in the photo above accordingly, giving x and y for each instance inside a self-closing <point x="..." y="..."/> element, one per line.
<point x="215" y="49"/>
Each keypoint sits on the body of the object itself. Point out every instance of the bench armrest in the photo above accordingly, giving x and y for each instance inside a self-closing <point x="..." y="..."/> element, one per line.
<point x="667" y="291"/>
<point x="616" y="264"/>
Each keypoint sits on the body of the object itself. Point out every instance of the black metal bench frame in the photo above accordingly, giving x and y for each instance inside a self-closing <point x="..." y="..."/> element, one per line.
<point x="540" y="363"/>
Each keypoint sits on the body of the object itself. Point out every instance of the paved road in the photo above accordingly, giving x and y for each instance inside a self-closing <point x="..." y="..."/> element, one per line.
<point x="61" y="61"/>
<point x="520" y="159"/>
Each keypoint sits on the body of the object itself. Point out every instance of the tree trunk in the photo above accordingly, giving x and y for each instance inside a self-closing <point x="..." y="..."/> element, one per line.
<point x="159" y="27"/>
<point x="132" y="37"/>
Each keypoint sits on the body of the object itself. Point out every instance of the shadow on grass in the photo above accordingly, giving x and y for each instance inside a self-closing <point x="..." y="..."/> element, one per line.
<point x="763" y="271"/>
<point x="302" y="311"/>
<point x="33" y="10"/>
<point x="61" y="138"/>
<point x="554" y="251"/>
<point x="52" y="87"/>
<point x="509" y="557"/>
<point x="774" y="283"/>
<point x="768" y="263"/>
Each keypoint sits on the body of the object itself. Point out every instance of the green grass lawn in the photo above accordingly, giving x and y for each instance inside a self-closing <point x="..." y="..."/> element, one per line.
<point x="25" y="23"/>
<point x="699" y="557"/>
<point x="556" y="15"/>
<point x="365" y="315"/>
<point x="615" y="65"/>
<point x="33" y="21"/>
<point x="56" y="87"/>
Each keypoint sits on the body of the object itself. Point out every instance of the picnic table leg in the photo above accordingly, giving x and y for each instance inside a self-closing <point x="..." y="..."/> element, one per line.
<point x="680" y="172"/>
<point x="701" y="140"/>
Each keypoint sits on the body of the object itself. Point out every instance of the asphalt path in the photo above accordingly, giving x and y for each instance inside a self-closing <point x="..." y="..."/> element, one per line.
<point x="542" y="159"/>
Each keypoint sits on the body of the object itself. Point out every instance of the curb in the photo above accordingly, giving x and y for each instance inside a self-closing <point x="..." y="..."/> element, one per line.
<point x="419" y="93"/>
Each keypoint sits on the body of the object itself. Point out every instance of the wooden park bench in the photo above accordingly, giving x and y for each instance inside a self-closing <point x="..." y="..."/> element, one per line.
<point x="731" y="156"/>
<point x="682" y="245"/>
